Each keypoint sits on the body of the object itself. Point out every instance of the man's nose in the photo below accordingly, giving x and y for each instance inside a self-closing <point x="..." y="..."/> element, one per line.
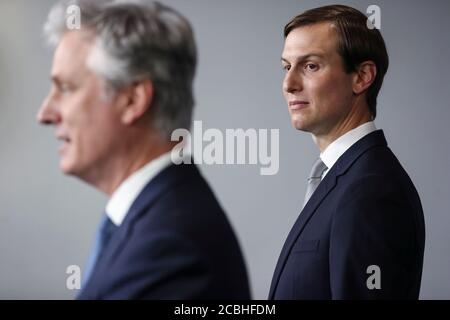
<point x="48" y="113"/>
<point x="292" y="82"/>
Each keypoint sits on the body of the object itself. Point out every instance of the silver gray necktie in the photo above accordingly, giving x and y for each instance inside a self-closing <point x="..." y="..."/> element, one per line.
<point x="314" y="179"/>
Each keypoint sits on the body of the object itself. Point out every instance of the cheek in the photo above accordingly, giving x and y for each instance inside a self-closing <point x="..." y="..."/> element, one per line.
<point x="103" y="125"/>
<point x="88" y="121"/>
<point x="331" y="90"/>
<point x="97" y="123"/>
<point x="96" y="141"/>
<point x="77" y="109"/>
<point x="320" y="91"/>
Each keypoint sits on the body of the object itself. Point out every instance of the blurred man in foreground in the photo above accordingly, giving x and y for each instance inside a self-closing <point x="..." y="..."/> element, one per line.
<point x="120" y="86"/>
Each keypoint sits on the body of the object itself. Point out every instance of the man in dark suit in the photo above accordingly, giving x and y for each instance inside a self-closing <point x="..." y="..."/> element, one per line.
<point x="122" y="84"/>
<point x="360" y="234"/>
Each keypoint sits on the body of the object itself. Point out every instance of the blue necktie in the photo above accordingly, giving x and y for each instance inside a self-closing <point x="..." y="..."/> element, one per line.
<point x="104" y="232"/>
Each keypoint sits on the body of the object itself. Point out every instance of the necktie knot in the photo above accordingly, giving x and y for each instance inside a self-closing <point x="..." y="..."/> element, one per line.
<point x="314" y="178"/>
<point x="106" y="229"/>
<point x="317" y="170"/>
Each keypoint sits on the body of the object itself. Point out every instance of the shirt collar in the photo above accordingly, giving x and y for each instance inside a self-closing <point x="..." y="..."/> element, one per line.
<point x="337" y="148"/>
<point x="120" y="202"/>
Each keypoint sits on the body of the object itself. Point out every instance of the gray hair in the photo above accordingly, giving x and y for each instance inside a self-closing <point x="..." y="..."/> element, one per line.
<point x="135" y="40"/>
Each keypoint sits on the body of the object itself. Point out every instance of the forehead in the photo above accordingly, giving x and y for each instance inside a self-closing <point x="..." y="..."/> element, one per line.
<point x="318" y="38"/>
<point x="71" y="53"/>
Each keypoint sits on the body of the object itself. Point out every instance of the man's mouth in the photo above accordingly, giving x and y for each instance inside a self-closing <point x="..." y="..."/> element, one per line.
<point x="298" y="104"/>
<point x="64" y="141"/>
<point x="63" y="138"/>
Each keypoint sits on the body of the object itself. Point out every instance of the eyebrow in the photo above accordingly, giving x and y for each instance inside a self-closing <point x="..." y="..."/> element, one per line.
<point x="57" y="80"/>
<point x="304" y="57"/>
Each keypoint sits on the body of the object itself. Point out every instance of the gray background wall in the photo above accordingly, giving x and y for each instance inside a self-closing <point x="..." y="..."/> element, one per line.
<point x="47" y="220"/>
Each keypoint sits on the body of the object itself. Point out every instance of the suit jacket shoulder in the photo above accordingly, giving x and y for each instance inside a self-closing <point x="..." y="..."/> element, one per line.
<point x="175" y="243"/>
<point x="366" y="212"/>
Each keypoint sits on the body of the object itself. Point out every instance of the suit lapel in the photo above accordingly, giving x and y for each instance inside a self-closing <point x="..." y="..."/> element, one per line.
<point x="341" y="166"/>
<point x="166" y="179"/>
<point x="324" y="188"/>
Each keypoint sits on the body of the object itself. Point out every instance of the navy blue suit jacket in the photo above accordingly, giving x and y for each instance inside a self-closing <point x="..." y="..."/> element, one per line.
<point x="175" y="243"/>
<point x="365" y="212"/>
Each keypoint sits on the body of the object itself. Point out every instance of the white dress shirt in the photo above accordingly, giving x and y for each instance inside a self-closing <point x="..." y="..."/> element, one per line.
<point x="337" y="148"/>
<point x="120" y="202"/>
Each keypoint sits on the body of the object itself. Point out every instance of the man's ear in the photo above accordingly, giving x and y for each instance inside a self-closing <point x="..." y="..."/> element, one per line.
<point x="364" y="76"/>
<point x="139" y="99"/>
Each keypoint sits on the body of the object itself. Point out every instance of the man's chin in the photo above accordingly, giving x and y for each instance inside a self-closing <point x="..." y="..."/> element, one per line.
<point x="66" y="168"/>
<point x="299" y="125"/>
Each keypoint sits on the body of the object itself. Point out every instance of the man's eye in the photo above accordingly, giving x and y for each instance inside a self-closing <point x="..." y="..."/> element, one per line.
<point x="286" y="67"/>
<point x="64" y="88"/>
<point x="311" y="67"/>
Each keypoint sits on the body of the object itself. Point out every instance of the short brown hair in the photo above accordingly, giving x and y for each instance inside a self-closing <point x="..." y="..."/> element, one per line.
<point x="356" y="42"/>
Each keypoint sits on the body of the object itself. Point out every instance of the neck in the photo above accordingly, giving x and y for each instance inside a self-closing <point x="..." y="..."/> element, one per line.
<point x="354" y="119"/>
<point x="132" y="157"/>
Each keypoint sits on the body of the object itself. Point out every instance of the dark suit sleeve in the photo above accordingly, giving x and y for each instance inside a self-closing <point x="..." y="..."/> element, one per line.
<point x="372" y="225"/>
<point x="161" y="266"/>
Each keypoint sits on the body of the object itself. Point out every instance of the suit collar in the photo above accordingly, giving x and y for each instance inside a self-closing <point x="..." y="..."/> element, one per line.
<point x="164" y="181"/>
<point x="373" y="139"/>
<point x="343" y="164"/>
<point x="120" y="202"/>
<point x="338" y="147"/>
